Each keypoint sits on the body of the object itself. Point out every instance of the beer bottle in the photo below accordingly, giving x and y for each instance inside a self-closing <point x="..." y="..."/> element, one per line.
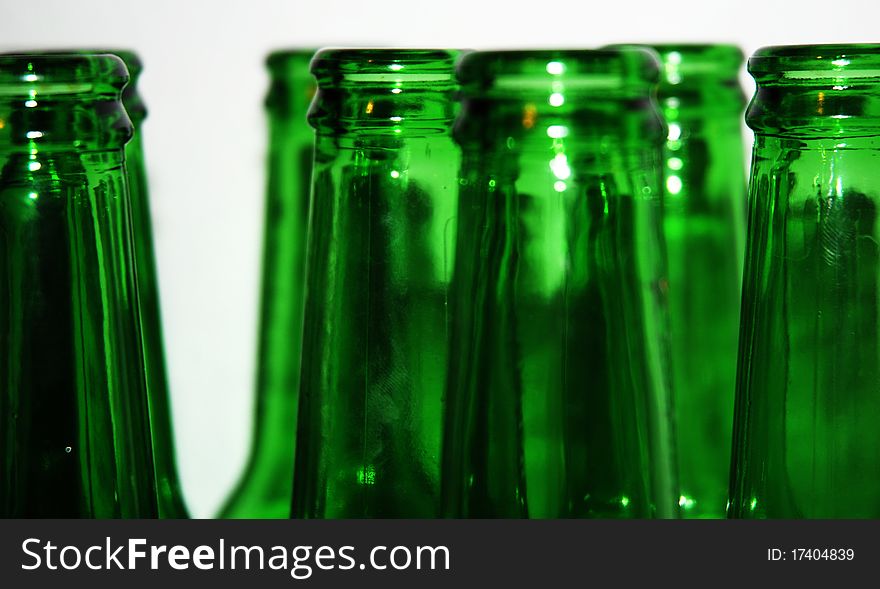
<point x="808" y="394"/>
<point x="557" y="398"/>
<point x="704" y="222"/>
<point x="265" y="487"/>
<point x="76" y="432"/>
<point x="379" y="260"/>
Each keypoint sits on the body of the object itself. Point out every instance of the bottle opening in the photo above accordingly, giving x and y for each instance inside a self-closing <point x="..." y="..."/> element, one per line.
<point x="290" y="63"/>
<point x="350" y="67"/>
<point x="698" y="63"/>
<point x="618" y="70"/>
<point x="61" y="73"/>
<point x="802" y="63"/>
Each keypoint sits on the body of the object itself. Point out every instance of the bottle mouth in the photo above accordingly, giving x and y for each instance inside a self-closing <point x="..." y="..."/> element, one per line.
<point x="58" y="75"/>
<point x="615" y="71"/>
<point x="685" y="64"/>
<point x="816" y="64"/>
<point x="351" y="67"/>
<point x="291" y="63"/>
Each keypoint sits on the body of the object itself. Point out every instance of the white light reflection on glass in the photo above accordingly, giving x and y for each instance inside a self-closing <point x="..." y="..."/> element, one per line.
<point x="555" y="68"/>
<point x="559" y="186"/>
<point x="559" y="166"/>
<point x="557" y="99"/>
<point x="34" y="134"/>
<point x="673" y="184"/>
<point x="673" y="60"/>
<point x="557" y="131"/>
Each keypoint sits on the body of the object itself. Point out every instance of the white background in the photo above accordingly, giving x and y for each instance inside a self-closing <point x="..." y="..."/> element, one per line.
<point x="204" y="82"/>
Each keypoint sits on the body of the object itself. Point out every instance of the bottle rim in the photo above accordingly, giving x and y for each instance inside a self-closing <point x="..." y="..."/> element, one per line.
<point x="607" y="69"/>
<point x="290" y="62"/>
<point x="130" y="96"/>
<point x="350" y="67"/>
<point x="61" y="73"/>
<point x="698" y="63"/>
<point x="806" y="64"/>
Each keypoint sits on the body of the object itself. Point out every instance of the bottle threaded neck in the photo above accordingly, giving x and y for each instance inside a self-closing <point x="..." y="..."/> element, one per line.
<point x="291" y="85"/>
<point x="394" y="91"/>
<point x="62" y="101"/>
<point x="816" y="90"/>
<point x="131" y="98"/>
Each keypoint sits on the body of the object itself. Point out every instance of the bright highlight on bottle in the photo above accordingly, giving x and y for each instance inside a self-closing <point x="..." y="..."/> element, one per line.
<point x="557" y="131"/>
<point x="559" y="166"/>
<point x="555" y="68"/>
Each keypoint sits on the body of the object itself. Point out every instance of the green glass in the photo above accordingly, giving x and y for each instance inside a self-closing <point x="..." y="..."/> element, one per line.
<point x="704" y="221"/>
<point x="808" y="386"/>
<point x="379" y="259"/>
<point x="171" y="503"/>
<point x="76" y="434"/>
<point x="265" y="487"/>
<point x="557" y="402"/>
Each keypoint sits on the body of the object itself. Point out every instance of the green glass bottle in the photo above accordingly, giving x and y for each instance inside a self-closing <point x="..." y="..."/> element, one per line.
<point x="265" y="487"/>
<point x="808" y="386"/>
<point x="704" y="221"/>
<point x="76" y="434"/>
<point x="557" y="399"/>
<point x="379" y="260"/>
<point x="171" y="502"/>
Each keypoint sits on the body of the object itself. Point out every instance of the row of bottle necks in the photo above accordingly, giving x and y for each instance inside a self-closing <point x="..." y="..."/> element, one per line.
<point x="499" y="284"/>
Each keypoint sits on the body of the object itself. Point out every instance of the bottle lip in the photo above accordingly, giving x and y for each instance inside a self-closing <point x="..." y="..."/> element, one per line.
<point x="130" y="96"/>
<point x="698" y="63"/>
<point x="816" y="64"/>
<point x="291" y="62"/>
<point x="351" y="67"/>
<point x="61" y="73"/>
<point x="608" y="69"/>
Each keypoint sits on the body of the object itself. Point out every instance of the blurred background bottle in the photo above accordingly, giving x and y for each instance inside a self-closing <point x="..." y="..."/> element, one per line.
<point x="557" y="399"/>
<point x="76" y="432"/>
<point x="704" y="220"/>
<point x="265" y="486"/>
<point x="379" y="260"/>
<point x="808" y="398"/>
